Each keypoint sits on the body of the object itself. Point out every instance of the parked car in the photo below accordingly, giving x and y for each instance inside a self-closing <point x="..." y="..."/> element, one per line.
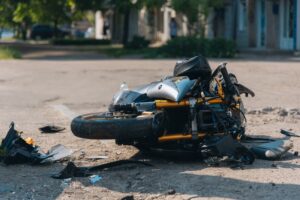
<point x="40" y="31"/>
<point x="89" y="33"/>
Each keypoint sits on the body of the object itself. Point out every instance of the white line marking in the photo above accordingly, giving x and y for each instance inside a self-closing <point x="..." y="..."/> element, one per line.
<point x="65" y="111"/>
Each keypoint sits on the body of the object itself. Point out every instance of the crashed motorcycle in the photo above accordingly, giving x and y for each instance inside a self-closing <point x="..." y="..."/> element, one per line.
<point x="195" y="111"/>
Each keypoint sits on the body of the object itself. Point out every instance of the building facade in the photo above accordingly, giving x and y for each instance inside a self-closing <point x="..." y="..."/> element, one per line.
<point x="258" y="24"/>
<point x="252" y="24"/>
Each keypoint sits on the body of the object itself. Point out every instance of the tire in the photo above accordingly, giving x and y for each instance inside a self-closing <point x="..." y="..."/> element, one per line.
<point x="128" y="128"/>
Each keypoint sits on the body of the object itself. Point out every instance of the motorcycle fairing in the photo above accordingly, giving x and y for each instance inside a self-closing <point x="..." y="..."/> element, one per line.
<point x="132" y="96"/>
<point x="174" y="88"/>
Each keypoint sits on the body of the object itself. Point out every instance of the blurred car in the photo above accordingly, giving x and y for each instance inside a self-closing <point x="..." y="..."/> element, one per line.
<point x="89" y="33"/>
<point x="40" y="31"/>
<point x="76" y="33"/>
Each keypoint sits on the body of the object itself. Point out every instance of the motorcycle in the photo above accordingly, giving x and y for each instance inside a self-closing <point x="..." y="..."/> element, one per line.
<point x="195" y="111"/>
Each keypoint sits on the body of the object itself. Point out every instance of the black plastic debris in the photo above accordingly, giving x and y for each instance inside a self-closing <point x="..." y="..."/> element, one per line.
<point x="171" y="192"/>
<point x="71" y="170"/>
<point x="14" y="149"/>
<point x="272" y="150"/>
<point x="51" y="129"/>
<point x="274" y="165"/>
<point x="232" y="151"/>
<point x="289" y="133"/>
<point x="129" y="197"/>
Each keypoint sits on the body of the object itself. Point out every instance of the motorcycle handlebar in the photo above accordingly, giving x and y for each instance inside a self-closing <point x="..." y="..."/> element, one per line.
<point x="229" y="85"/>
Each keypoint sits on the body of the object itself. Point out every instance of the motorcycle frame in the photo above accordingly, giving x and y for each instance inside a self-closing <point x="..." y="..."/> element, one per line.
<point x="161" y="104"/>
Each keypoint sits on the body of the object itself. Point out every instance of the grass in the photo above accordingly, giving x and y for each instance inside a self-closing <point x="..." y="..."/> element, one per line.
<point x="9" y="53"/>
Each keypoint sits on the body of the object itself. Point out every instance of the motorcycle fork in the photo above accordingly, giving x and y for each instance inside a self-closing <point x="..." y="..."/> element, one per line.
<point x="193" y="116"/>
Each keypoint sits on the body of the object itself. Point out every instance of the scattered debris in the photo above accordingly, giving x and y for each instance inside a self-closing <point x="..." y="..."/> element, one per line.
<point x="14" y="149"/>
<point x="289" y="133"/>
<point x="233" y="151"/>
<point x="96" y="157"/>
<point x="294" y="111"/>
<point x="71" y="170"/>
<point x="268" y="109"/>
<point x="272" y="150"/>
<point x="95" y="178"/>
<point x="274" y="165"/>
<point x="66" y="182"/>
<point x="273" y="184"/>
<point x="171" y="192"/>
<point x="237" y="166"/>
<point x="129" y="197"/>
<point x="252" y="112"/>
<point x="212" y="161"/>
<point x="56" y="153"/>
<point x="283" y="112"/>
<point x="51" y="129"/>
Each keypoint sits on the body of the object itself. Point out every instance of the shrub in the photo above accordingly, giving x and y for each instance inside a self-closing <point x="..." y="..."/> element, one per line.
<point x="9" y="53"/>
<point x="221" y="48"/>
<point x="137" y="42"/>
<point x="80" y="42"/>
<point x="191" y="46"/>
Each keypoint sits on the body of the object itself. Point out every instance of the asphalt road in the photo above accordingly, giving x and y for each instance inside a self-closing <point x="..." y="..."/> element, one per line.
<point x="35" y="92"/>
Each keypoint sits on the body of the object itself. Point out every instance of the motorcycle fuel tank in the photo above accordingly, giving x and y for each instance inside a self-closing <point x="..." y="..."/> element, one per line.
<point x="174" y="88"/>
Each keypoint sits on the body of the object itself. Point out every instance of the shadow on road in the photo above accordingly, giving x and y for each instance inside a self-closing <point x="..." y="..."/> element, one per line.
<point x="186" y="177"/>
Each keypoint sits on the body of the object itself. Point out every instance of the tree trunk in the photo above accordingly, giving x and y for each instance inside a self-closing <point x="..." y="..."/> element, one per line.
<point x="126" y="27"/>
<point x="55" y="28"/>
<point x="24" y="30"/>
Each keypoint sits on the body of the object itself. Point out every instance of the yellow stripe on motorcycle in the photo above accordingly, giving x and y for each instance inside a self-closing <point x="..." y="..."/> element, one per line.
<point x="171" y="104"/>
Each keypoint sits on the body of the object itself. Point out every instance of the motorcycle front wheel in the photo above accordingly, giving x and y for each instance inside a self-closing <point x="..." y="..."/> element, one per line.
<point x="107" y="125"/>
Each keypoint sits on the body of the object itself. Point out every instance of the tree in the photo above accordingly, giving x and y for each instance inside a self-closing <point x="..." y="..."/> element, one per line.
<point x="22" y="13"/>
<point x="92" y="5"/>
<point x="6" y="9"/>
<point x="15" y="14"/>
<point x="50" y="11"/>
<point x="194" y="10"/>
<point x="22" y="16"/>
<point x="125" y="7"/>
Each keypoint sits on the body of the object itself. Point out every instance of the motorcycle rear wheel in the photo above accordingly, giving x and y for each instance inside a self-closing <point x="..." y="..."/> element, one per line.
<point x="107" y="125"/>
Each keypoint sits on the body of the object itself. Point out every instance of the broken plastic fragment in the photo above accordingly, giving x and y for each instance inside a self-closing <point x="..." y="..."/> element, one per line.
<point x="272" y="150"/>
<point x="71" y="170"/>
<point x="29" y="141"/>
<point x="56" y="153"/>
<point x="95" y="178"/>
<point x="289" y="133"/>
<point x="14" y="149"/>
<point x="51" y="129"/>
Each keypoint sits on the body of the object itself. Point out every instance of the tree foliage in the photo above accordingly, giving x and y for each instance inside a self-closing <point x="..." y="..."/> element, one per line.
<point x="19" y="12"/>
<point x="196" y="11"/>
<point x="192" y="8"/>
<point x="7" y="8"/>
<point x="35" y="11"/>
